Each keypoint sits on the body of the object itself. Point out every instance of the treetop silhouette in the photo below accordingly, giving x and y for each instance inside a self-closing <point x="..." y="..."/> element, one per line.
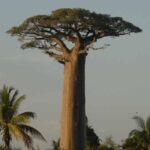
<point x="78" y="26"/>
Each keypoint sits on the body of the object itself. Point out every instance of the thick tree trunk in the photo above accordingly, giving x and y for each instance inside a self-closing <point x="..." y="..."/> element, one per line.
<point x="73" y="105"/>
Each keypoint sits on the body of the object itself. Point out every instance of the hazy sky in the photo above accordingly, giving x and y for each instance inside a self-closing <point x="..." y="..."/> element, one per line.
<point x="117" y="78"/>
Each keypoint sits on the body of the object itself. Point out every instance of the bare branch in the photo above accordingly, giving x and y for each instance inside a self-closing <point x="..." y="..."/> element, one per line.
<point x="84" y="51"/>
<point x="66" y="35"/>
<point x="88" y="47"/>
<point x="98" y="48"/>
<point x="54" y="55"/>
<point x="77" y="40"/>
<point x="54" y="46"/>
<point x="53" y="37"/>
<point x="89" y="40"/>
<point x="48" y="38"/>
<point x="60" y="43"/>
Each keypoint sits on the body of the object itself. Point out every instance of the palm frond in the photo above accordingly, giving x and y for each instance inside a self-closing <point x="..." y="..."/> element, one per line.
<point x="32" y="131"/>
<point x="148" y="126"/>
<point x="134" y="133"/>
<point x="15" y="130"/>
<point x="28" y="114"/>
<point x="17" y="103"/>
<point x="4" y="95"/>
<point x="23" y="117"/>
<point x="10" y="90"/>
<point x="27" y="140"/>
<point x="14" y="97"/>
<point x="1" y="115"/>
<point x="6" y="112"/>
<point x="19" y="119"/>
<point x="140" y="122"/>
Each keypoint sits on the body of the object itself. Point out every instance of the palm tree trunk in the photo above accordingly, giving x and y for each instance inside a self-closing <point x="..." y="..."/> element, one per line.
<point x="73" y="105"/>
<point x="7" y="138"/>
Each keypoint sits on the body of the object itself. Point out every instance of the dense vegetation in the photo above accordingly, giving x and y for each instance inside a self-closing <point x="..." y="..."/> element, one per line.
<point x="14" y="124"/>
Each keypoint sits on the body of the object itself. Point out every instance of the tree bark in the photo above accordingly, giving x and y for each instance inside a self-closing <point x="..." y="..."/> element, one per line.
<point x="73" y="104"/>
<point x="7" y="138"/>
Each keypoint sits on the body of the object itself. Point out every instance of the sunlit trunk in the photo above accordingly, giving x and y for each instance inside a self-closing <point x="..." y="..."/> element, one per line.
<point x="73" y="105"/>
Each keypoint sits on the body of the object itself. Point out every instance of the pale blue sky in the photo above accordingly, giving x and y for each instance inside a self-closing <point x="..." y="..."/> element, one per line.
<point x="117" y="78"/>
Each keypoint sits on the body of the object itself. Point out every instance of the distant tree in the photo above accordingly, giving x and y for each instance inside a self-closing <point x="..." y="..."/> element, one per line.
<point x="92" y="139"/>
<point x="109" y="144"/>
<point x="139" y="138"/>
<point x="12" y="123"/>
<point x="130" y="144"/>
<point x="67" y="35"/>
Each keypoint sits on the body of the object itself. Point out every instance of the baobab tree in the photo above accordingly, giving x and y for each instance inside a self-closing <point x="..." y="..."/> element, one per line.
<point x="67" y="35"/>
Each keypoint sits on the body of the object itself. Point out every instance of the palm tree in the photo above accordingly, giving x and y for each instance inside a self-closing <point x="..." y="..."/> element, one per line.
<point x="142" y="133"/>
<point x="12" y="123"/>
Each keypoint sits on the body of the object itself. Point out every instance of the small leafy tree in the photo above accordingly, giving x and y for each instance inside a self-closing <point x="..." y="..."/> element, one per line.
<point x="109" y="144"/>
<point x="92" y="139"/>
<point x="130" y="144"/>
<point x="140" y="137"/>
<point x="12" y="123"/>
<point x="67" y="35"/>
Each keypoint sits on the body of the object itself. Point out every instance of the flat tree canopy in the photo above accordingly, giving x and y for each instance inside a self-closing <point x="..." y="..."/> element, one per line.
<point x="78" y="26"/>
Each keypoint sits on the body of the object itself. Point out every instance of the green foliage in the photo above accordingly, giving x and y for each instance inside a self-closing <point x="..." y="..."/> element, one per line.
<point x="109" y="144"/>
<point x="68" y="24"/>
<point x="139" y="138"/>
<point x="92" y="141"/>
<point x="12" y="123"/>
<point x="63" y="18"/>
